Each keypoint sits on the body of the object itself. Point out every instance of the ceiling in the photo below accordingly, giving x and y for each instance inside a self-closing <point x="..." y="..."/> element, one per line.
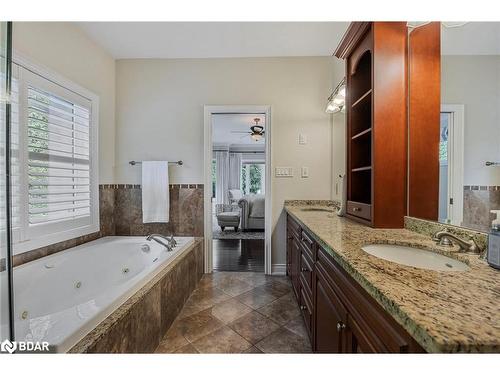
<point x="131" y="40"/>
<point x="224" y="124"/>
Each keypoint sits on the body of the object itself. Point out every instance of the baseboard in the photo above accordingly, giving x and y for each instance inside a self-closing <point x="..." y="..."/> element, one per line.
<point x="278" y="269"/>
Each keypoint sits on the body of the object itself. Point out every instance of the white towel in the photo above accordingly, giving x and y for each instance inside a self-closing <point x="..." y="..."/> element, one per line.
<point x="155" y="194"/>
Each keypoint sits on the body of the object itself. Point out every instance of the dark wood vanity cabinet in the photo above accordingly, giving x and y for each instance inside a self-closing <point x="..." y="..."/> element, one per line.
<point x="341" y="317"/>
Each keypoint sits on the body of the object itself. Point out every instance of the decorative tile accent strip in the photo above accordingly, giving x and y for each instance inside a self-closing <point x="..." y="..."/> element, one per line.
<point x="3" y="264"/>
<point x="428" y="228"/>
<point x="138" y="186"/>
<point x="138" y="325"/>
<point x="120" y="209"/>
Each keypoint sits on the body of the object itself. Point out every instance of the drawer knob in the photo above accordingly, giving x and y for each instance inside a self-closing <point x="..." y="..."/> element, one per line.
<point x="356" y="209"/>
<point x="303" y="269"/>
<point x="340" y="326"/>
<point x="303" y="307"/>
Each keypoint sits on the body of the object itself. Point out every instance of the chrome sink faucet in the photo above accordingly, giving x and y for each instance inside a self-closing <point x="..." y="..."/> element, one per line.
<point x="444" y="238"/>
<point x="170" y="244"/>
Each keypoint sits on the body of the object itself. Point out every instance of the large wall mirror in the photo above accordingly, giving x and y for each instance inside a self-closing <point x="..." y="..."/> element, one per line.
<point x="454" y="123"/>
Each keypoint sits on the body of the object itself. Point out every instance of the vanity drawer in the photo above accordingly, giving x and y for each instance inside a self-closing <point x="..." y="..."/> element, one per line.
<point x="306" y="274"/>
<point x="308" y="245"/>
<point x="361" y="210"/>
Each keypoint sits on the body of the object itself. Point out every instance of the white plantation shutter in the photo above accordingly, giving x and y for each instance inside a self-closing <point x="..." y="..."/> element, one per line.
<point x="58" y="158"/>
<point x="15" y="169"/>
<point x="57" y="187"/>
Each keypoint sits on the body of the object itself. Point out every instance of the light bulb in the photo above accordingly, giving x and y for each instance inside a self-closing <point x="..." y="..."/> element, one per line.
<point x="332" y="107"/>
<point x="342" y="91"/>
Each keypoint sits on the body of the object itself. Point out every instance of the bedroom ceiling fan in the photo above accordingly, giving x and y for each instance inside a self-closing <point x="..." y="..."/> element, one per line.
<point x="256" y="131"/>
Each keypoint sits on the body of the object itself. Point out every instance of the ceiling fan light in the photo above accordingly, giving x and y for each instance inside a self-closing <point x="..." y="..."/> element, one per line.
<point x="256" y="137"/>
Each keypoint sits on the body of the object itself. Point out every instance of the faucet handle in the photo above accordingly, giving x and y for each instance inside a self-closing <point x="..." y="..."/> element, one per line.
<point x="172" y="241"/>
<point x="435" y="236"/>
<point x="475" y="248"/>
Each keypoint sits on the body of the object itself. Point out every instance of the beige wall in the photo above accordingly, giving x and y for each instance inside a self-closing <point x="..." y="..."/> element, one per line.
<point x="159" y="106"/>
<point x="65" y="49"/>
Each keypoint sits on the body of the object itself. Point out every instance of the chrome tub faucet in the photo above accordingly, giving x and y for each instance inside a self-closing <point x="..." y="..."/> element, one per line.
<point x="170" y="241"/>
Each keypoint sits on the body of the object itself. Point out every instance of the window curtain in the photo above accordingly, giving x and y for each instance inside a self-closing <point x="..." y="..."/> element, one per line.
<point x="222" y="177"/>
<point x="234" y="170"/>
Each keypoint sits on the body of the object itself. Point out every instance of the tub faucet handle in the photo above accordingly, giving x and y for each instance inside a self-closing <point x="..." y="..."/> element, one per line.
<point x="172" y="241"/>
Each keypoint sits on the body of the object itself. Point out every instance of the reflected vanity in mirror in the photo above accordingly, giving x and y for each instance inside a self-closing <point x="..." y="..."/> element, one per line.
<point x="454" y="123"/>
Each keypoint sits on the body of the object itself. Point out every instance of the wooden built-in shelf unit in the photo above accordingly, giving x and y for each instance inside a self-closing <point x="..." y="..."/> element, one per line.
<point x="375" y="54"/>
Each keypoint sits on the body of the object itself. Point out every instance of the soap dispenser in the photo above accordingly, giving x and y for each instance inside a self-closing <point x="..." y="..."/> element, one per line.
<point x="493" y="254"/>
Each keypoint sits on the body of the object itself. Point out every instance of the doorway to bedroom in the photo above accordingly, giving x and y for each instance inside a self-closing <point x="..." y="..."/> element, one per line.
<point x="238" y="191"/>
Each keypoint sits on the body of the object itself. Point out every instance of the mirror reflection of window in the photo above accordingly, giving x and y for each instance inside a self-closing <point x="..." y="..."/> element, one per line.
<point x="444" y="197"/>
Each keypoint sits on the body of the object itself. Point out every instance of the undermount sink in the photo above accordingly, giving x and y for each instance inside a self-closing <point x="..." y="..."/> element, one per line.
<point x="318" y="209"/>
<point x="419" y="258"/>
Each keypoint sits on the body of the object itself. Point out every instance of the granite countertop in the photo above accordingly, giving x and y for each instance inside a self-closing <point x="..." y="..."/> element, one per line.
<point x="442" y="311"/>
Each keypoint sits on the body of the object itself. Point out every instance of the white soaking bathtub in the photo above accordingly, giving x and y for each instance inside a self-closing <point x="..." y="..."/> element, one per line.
<point x="62" y="297"/>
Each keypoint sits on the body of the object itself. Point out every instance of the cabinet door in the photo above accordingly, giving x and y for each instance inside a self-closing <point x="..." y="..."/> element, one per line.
<point x="356" y="339"/>
<point x="329" y="318"/>
<point x="307" y="311"/>
<point x="294" y="254"/>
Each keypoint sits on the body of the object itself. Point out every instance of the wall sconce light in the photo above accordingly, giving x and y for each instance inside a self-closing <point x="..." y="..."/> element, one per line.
<point x="336" y="101"/>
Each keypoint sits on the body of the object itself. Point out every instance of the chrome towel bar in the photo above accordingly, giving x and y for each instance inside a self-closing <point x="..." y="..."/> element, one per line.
<point x="133" y="162"/>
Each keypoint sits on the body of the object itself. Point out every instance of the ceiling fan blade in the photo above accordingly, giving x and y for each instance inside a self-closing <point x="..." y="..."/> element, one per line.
<point x="241" y="132"/>
<point x="244" y="136"/>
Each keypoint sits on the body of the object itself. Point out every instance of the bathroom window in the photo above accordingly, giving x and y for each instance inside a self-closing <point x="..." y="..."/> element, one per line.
<point x="55" y="154"/>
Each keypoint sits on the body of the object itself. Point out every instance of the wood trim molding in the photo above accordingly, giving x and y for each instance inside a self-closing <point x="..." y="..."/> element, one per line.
<point x="353" y="34"/>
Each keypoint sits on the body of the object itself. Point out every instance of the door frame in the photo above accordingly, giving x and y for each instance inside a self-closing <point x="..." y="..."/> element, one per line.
<point x="210" y="110"/>
<point x="456" y="156"/>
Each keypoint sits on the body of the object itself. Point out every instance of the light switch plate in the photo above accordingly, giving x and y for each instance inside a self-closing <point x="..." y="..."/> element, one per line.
<point x="302" y="139"/>
<point x="283" y="172"/>
<point x="304" y="172"/>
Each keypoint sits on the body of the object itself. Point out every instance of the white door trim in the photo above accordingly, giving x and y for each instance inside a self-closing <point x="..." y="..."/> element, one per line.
<point x="209" y="110"/>
<point x="456" y="148"/>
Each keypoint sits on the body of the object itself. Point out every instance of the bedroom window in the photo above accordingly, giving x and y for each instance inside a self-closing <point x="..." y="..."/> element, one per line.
<point x="54" y="142"/>
<point x="253" y="178"/>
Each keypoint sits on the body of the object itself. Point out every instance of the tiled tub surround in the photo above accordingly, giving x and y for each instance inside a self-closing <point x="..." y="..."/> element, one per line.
<point x="138" y="325"/>
<point x="239" y="312"/>
<point x="442" y="311"/>
<point x="120" y="211"/>
<point x="478" y="202"/>
<point x="186" y="212"/>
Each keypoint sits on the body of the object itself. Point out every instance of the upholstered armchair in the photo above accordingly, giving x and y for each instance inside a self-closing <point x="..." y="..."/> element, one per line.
<point x="252" y="212"/>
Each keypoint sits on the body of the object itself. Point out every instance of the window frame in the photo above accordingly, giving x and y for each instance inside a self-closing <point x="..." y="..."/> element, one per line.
<point x="25" y="238"/>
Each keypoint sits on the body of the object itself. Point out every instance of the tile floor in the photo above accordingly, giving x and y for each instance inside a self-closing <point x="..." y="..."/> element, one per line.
<point x="238" y="312"/>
